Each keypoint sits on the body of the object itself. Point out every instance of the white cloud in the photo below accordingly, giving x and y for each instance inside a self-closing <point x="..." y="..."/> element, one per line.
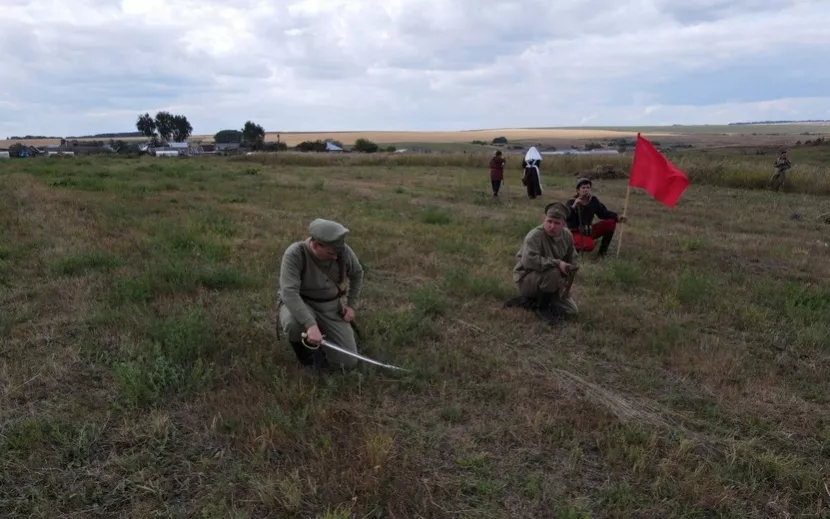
<point x="92" y="66"/>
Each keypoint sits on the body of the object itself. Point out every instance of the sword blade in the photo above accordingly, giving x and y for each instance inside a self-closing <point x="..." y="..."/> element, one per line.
<point x="364" y="358"/>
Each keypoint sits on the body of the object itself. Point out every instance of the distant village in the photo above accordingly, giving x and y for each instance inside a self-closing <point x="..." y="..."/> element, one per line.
<point x="170" y="135"/>
<point x="72" y="147"/>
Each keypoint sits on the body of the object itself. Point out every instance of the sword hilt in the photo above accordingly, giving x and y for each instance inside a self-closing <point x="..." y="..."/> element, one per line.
<point x="306" y="344"/>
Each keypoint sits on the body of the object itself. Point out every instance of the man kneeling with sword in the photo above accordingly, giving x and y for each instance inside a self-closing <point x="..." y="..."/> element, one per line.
<point x="316" y="275"/>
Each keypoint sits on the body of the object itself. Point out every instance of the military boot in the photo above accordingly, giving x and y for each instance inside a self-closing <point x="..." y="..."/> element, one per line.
<point x="545" y="311"/>
<point x="604" y="244"/>
<point x="304" y="355"/>
<point x="320" y="360"/>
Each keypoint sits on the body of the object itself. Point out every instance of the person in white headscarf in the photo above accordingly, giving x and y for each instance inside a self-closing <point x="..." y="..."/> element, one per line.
<point x="532" y="174"/>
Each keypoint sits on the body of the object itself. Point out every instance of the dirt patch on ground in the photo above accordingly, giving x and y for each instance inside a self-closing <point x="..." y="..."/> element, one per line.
<point x="767" y="267"/>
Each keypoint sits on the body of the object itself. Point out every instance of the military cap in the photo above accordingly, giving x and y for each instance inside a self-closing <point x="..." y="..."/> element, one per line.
<point x="557" y="210"/>
<point x="583" y="180"/>
<point x="328" y="232"/>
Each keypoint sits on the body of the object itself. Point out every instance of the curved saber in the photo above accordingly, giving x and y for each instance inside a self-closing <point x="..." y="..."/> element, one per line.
<point x="333" y="346"/>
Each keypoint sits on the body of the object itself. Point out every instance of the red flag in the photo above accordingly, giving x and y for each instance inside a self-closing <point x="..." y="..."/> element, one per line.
<point x="651" y="171"/>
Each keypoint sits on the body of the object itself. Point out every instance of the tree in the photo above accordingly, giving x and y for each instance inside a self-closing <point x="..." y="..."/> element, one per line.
<point x="317" y="145"/>
<point x="146" y="125"/>
<point x="274" y="146"/>
<point x="16" y="149"/>
<point x="253" y="134"/>
<point x="365" y="145"/>
<point x="164" y="127"/>
<point x="181" y="128"/>
<point x="227" y="136"/>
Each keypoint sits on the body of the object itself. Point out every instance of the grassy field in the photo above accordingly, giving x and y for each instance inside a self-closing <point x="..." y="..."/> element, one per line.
<point x="140" y="375"/>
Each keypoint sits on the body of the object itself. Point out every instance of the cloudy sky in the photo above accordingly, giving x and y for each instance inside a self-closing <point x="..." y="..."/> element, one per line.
<point x="91" y="66"/>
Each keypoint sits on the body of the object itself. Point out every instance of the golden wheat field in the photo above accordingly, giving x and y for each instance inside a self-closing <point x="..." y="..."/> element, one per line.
<point x="513" y="134"/>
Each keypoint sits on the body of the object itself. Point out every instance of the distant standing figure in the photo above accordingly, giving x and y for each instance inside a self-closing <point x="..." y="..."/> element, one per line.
<point x="497" y="172"/>
<point x="532" y="174"/>
<point x="779" y="177"/>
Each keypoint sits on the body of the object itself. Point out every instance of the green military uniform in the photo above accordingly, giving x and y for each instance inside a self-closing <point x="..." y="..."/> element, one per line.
<point x="536" y="273"/>
<point x="779" y="177"/>
<point x="311" y="292"/>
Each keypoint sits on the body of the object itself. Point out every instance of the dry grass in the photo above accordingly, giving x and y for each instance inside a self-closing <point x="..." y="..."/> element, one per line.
<point x="727" y="168"/>
<point x="140" y="375"/>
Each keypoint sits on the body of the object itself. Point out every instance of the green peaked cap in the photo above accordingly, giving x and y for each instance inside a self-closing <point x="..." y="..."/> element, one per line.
<point x="328" y="232"/>
<point x="557" y="210"/>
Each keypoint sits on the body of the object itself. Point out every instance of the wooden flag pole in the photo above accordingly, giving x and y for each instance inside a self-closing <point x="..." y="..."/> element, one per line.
<point x="652" y="171"/>
<point x="625" y="210"/>
<point x="627" y="196"/>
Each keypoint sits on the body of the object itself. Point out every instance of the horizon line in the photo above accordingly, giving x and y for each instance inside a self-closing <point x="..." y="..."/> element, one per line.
<point x="632" y="128"/>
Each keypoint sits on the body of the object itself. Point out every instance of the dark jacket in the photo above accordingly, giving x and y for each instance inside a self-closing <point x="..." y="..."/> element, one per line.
<point x="594" y="207"/>
<point x="497" y="168"/>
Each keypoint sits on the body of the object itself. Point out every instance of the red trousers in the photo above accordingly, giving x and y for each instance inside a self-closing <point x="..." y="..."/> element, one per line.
<point x="603" y="229"/>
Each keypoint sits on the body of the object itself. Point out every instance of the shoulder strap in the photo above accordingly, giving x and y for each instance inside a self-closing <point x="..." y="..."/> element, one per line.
<point x="341" y="265"/>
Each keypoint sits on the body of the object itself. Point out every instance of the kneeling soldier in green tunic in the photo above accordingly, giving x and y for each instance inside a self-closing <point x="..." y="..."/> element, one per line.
<point x="313" y="283"/>
<point x="544" y="264"/>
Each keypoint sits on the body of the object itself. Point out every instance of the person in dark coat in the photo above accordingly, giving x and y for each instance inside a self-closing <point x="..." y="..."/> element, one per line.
<point x="497" y="172"/>
<point x="584" y="206"/>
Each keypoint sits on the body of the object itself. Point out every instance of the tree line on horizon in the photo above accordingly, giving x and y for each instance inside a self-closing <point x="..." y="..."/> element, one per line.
<point x="780" y="122"/>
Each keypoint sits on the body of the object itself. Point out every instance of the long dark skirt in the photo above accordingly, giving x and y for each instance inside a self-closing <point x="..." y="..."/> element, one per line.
<point x="531" y="181"/>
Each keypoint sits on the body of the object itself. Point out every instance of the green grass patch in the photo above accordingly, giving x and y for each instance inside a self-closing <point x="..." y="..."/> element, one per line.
<point x="172" y="359"/>
<point x="192" y="243"/>
<point x="177" y="277"/>
<point x="460" y="283"/>
<point x="435" y="216"/>
<point x="83" y="262"/>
